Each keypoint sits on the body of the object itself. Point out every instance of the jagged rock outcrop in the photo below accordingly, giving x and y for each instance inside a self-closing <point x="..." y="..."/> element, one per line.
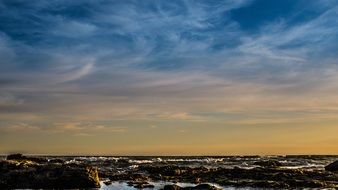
<point x="268" y="163"/>
<point x="27" y="158"/>
<point x="333" y="167"/>
<point x="20" y="173"/>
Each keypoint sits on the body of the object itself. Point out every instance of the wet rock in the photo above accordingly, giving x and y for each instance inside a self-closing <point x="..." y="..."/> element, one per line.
<point x="197" y="180"/>
<point x="150" y="186"/>
<point x="140" y="178"/>
<point x="108" y="182"/>
<point x="130" y="183"/>
<point x="139" y="183"/>
<point x="171" y="170"/>
<point x="28" y="174"/>
<point x="172" y="187"/>
<point x="22" y="157"/>
<point x="16" y="157"/>
<point x="142" y="186"/>
<point x="333" y="167"/>
<point x="60" y="161"/>
<point x="268" y="163"/>
<point x="123" y="163"/>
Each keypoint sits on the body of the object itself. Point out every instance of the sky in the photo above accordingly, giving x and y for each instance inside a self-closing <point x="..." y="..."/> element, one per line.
<point x="178" y="77"/>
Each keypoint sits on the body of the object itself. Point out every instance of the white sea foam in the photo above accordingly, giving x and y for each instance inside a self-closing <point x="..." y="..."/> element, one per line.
<point x="140" y="161"/>
<point x="207" y="160"/>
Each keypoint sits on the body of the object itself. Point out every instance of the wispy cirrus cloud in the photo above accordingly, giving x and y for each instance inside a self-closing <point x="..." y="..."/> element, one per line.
<point x="130" y="63"/>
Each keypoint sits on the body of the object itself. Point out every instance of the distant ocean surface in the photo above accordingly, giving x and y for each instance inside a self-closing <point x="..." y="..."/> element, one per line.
<point x="132" y="162"/>
<point x="128" y="164"/>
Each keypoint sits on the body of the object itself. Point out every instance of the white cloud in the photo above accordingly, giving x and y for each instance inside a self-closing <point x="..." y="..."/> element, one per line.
<point x="76" y="74"/>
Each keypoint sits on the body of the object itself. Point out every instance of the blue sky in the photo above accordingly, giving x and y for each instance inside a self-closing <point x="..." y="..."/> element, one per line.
<point x="86" y="68"/>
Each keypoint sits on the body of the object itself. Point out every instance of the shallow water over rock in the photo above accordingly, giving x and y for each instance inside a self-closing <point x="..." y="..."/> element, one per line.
<point x="160" y="185"/>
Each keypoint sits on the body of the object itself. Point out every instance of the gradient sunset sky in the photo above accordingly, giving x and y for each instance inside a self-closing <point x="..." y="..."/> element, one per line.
<point x="160" y="77"/>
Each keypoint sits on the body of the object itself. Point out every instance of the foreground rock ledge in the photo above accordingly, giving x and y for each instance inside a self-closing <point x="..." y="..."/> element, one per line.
<point x="259" y="177"/>
<point x="29" y="174"/>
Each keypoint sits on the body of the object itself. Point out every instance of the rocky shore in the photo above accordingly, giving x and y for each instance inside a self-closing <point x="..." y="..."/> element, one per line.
<point x="19" y="171"/>
<point x="268" y="175"/>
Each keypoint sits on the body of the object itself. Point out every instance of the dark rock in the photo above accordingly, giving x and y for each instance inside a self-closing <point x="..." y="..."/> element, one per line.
<point x="172" y="187"/>
<point x="37" y="159"/>
<point x="139" y="178"/>
<point x="171" y="170"/>
<point x="139" y="186"/>
<point x="139" y="183"/>
<point x="130" y="183"/>
<point x="22" y="157"/>
<point x="150" y="186"/>
<point x="333" y="167"/>
<point x="60" y="161"/>
<point x="142" y="186"/>
<point x="123" y="163"/>
<point x="28" y="174"/>
<point x="268" y="163"/>
<point x="197" y="180"/>
<point x="16" y="157"/>
<point x="109" y="182"/>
